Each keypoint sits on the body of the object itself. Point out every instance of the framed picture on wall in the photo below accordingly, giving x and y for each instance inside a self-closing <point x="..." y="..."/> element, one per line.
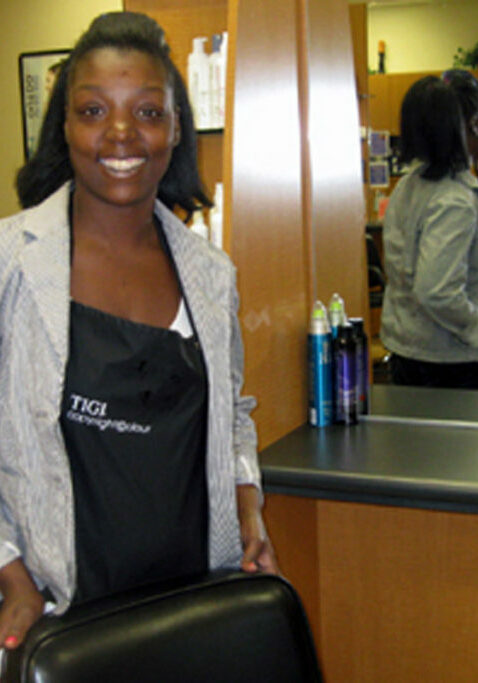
<point x="38" y="71"/>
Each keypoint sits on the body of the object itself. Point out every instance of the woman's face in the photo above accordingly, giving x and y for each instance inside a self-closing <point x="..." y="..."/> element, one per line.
<point x="121" y="126"/>
<point x="472" y="138"/>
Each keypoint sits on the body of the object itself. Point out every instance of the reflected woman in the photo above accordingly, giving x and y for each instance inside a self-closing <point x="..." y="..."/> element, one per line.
<point x="430" y="312"/>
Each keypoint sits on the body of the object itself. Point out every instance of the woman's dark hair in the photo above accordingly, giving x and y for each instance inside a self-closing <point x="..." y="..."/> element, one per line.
<point x="50" y="166"/>
<point x="432" y="129"/>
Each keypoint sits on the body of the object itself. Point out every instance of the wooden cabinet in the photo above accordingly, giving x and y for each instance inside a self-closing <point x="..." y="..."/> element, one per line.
<point x="390" y="592"/>
<point x="386" y="93"/>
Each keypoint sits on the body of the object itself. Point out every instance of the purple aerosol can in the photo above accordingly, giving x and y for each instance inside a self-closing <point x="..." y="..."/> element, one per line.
<point x="345" y="364"/>
<point x="361" y="342"/>
<point x="320" y="367"/>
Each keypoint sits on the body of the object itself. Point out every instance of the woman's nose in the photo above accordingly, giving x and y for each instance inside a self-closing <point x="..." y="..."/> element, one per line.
<point x="121" y="128"/>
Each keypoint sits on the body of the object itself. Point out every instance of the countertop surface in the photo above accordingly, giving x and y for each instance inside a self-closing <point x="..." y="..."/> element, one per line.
<point x="455" y="406"/>
<point x="426" y="459"/>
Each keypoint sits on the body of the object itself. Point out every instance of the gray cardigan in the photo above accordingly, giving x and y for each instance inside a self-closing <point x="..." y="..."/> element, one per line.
<point x="430" y="311"/>
<point x="36" y="510"/>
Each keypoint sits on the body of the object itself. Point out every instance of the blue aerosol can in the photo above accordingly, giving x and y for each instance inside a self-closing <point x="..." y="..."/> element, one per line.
<point x="345" y="375"/>
<point x="320" y="367"/>
<point x="362" y="362"/>
<point x="337" y="315"/>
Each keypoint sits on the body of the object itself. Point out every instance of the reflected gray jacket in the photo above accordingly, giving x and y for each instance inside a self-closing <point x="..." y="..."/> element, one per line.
<point x="36" y="509"/>
<point x="430" y="311"/>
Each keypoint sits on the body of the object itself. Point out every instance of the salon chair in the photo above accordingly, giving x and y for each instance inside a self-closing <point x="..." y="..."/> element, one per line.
<point x="225" y="627"/>
<point x="376" y="289"/>
<point x="376" y="274"/>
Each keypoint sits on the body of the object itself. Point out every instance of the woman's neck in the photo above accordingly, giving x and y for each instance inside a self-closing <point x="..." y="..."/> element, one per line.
<point x="128" y="226"/>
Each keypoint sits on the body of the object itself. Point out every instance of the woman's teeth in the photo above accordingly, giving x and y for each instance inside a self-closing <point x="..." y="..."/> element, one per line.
<point x="122" y="165"/>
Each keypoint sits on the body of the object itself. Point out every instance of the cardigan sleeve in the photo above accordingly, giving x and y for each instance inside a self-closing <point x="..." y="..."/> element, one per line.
<point x="244" y="430"/>
<point x="9" y="549"/>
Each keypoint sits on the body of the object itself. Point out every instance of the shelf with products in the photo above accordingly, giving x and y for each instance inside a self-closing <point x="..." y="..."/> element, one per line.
<point x="182" y="21"/>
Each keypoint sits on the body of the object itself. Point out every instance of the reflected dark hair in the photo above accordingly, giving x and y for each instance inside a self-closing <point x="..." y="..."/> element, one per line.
<point x="465" y="85"/>
<point x="432" y="129"/>
<point x="50" y="166"/>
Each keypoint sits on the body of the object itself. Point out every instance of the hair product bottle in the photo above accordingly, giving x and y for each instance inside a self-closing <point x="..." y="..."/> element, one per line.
<point x="361" y="342"/>
<point x="217" y="79"/>
<point x="216" y="218"/>
<point x="381" y="56"/>
<point x="320" y="367"/>
<point x="198" y="84"/>
<point x="345" y="362"/>
<point x="337" y="315"/>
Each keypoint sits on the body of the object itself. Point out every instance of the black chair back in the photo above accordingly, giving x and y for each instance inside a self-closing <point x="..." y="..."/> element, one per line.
<point x="226" y="628"/>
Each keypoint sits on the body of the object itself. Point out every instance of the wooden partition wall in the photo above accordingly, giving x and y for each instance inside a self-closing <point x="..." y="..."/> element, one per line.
<point x="268" y="237"/>
<point x="297" y="198"/>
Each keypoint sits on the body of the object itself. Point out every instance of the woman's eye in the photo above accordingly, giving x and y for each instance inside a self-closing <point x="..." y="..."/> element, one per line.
<point x="91" y="110"/>
<point x="151" y="112"/>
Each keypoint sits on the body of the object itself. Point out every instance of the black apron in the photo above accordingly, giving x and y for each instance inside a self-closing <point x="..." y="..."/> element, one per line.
<point x="134" y="420"/>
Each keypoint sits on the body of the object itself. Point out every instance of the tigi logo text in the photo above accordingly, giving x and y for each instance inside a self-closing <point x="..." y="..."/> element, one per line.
<point x="93" y="413"/>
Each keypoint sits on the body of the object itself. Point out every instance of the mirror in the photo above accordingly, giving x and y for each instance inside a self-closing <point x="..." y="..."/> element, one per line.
<point x="420" y="38"/>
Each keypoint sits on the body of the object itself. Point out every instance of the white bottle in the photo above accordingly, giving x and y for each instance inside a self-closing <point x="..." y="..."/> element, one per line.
<point x="198" y="84"/>
<point x="216" y="217"/>
<point x="217" y="79"/>
<point x="222" y="94"/>
<point x="199" y="226"/>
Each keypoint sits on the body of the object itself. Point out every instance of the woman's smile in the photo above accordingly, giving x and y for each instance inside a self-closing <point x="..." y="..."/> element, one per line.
<point x="123" y="167"/>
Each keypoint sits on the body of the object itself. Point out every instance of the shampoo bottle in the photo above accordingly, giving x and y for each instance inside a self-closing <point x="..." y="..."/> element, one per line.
<point x="198" y="84"/>
<point x="216" y="67"/>
<point x="222" y="79"/>
<point x="216" y="217"/>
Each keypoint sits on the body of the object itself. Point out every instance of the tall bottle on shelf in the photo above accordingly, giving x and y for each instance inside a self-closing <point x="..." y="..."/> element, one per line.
<point x="222" y="79"/>
<point x="320" y="367"/>
<point x="198" y="84"/>
<point x="362" y="362"/>
<point x="216" y="217"/>
<point x="217" y="79"/>
<point x="345" y="375"/>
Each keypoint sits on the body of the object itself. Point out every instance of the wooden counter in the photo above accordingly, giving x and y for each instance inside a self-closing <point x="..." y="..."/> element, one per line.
<point x="376" y="526"/>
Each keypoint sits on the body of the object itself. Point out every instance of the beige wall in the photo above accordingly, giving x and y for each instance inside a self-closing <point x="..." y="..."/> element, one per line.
<point x="29" y="26"/>
<point x="421" y="37"/>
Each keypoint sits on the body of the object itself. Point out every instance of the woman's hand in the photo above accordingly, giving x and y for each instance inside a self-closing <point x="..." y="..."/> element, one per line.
<point x="22" y="604"/>
<point x="258" y="551"/>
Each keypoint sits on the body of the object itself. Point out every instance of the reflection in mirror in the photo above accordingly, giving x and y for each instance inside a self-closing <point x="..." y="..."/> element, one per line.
<point x="440" y="28"/>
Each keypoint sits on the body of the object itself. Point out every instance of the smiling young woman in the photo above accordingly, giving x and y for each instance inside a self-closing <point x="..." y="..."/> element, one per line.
<point x="121" y="128"/>
<point x="128" y="451"/>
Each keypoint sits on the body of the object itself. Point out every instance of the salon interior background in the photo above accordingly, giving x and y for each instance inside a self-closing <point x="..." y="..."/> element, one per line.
<point x="419" y="36"/>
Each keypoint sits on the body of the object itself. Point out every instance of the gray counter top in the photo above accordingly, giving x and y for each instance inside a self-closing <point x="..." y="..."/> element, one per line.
<point x="413" y="463"/>
<point x="458" y="406"/>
